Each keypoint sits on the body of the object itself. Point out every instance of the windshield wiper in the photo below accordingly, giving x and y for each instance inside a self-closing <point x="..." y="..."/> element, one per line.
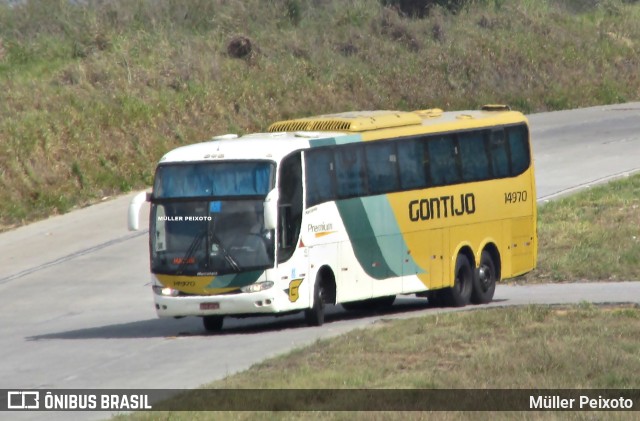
<point x="234" y="265"/>
<point x="191" y="251"/>
<point x="196" y="243"/>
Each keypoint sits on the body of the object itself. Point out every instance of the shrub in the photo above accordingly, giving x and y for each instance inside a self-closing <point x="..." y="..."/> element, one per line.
<point x="421" y="8"/>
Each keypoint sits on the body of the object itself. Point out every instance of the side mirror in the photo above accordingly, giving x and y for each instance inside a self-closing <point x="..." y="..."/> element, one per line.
<point x="134" y="209"/>
<point x="271" y="210"/>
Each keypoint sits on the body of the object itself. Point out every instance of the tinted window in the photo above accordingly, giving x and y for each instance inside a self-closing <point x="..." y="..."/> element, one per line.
<point x="411" y="164"/>
<point x="499" y="155"/>
<point x="350" y="175"/>
<point x="381" y="167"/>
<point x="320" y="173"/>
<point x="442" y="160"/>
<point x="415" y="163"/>
<point x="213" y="179"/>
<point x="519" y="148"/>
<point x="290" y="204"/>
<point x="475" y="162"/>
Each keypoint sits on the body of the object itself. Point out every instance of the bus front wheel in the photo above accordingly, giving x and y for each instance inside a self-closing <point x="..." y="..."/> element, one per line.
<point x="213" y="323"/>
<point x="459" y="295"/>
<point x="314" y="316"/>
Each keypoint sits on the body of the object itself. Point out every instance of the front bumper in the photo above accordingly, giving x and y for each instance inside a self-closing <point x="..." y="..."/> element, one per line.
<point x="263" y="302"/>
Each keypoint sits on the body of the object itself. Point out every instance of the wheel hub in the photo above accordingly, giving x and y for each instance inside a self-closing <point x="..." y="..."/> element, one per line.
<point x="484" y="274"/>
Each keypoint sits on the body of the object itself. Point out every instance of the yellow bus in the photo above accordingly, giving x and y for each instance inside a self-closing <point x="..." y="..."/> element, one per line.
<point x="352" y="208"/>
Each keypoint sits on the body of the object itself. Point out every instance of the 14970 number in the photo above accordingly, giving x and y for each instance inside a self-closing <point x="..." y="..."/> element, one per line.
<point x="515" y="197"/>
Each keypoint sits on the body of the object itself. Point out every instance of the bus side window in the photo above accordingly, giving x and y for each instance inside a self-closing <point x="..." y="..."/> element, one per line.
<point x="475" y="162"/>
<point x="350" y="174"/>
<point x="519" y="148"/>
<point x="319" y="176"/>
<point x="411" y="163"/>
<point x="382" y="171"/>
<point x="442" y="154"/>
<point x="499" y="155"/>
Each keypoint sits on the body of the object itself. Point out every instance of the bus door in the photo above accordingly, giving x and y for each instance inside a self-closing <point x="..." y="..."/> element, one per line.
<point x="291" y="249"/>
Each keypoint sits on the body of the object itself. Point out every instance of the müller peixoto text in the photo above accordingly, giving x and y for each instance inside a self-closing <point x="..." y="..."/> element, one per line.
<point x="583" y="402"/>
<point x="185" y="218"/>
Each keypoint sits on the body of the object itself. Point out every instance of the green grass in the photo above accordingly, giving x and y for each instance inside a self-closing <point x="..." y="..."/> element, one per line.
<point x="93" y="96"/>
<point x="577" y="347"/>
<point x="593" y="235"/>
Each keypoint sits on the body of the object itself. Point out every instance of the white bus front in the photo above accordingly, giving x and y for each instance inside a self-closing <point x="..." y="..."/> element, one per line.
<point x="210" y="251"/>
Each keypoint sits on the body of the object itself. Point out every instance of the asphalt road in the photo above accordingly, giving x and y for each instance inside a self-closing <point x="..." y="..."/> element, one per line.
<point x="77" y="311"/>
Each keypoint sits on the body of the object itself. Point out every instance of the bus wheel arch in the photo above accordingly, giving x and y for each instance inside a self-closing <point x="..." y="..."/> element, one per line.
<point x="493" y="251"/>
<point x="487" y="275"/>
<point x="324" y="292"/>
<point x="468" y="253"/>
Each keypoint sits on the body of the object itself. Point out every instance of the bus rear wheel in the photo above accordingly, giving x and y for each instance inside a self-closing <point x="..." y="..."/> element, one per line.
<point x="459" y="295"/>
<point x="213" y="323"/>
<point x="484" y="282"/>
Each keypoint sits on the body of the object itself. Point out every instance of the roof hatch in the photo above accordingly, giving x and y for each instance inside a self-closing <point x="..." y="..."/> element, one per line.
<point x="496" y="107"/>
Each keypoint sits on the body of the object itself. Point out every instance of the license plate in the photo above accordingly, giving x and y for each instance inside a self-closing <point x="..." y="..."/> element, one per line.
<point x="209" y="306"/>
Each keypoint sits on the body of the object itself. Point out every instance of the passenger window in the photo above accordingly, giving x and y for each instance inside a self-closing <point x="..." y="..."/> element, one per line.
<point x="381" y="167"/>
<point x="350" y="171"/>
<point x="475" y="162"/>
<point x="411" y="162"/>
<point x="442" y="160"/>
<point x="320" y="176"/>
<point x="499" y="155"/>
<point x="519" y="148"/>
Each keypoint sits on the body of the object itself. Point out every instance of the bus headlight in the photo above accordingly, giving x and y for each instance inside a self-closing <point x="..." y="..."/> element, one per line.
<point x="166" y="291"/>
<point x="257" y="287"/>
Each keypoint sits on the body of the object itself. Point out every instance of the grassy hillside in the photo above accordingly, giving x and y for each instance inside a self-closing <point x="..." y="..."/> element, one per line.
<point x="93" y="95"/>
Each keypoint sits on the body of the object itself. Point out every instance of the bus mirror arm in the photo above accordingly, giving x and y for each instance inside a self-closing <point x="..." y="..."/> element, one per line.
<point x="134" y="209"/>
<point x="271" y="210"/>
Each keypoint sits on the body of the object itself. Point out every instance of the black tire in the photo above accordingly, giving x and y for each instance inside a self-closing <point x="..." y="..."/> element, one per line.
<point x="485" y="279"/>
<point x="213" y="323"/>
<point x="459" y="295"/>
<point x="314" y="316"/>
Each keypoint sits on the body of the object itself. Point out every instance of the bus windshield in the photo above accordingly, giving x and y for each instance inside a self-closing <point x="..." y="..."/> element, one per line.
<point x="209" y="237"/>
<point x="213" y="179"/>
<point x="208" y="217"/>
